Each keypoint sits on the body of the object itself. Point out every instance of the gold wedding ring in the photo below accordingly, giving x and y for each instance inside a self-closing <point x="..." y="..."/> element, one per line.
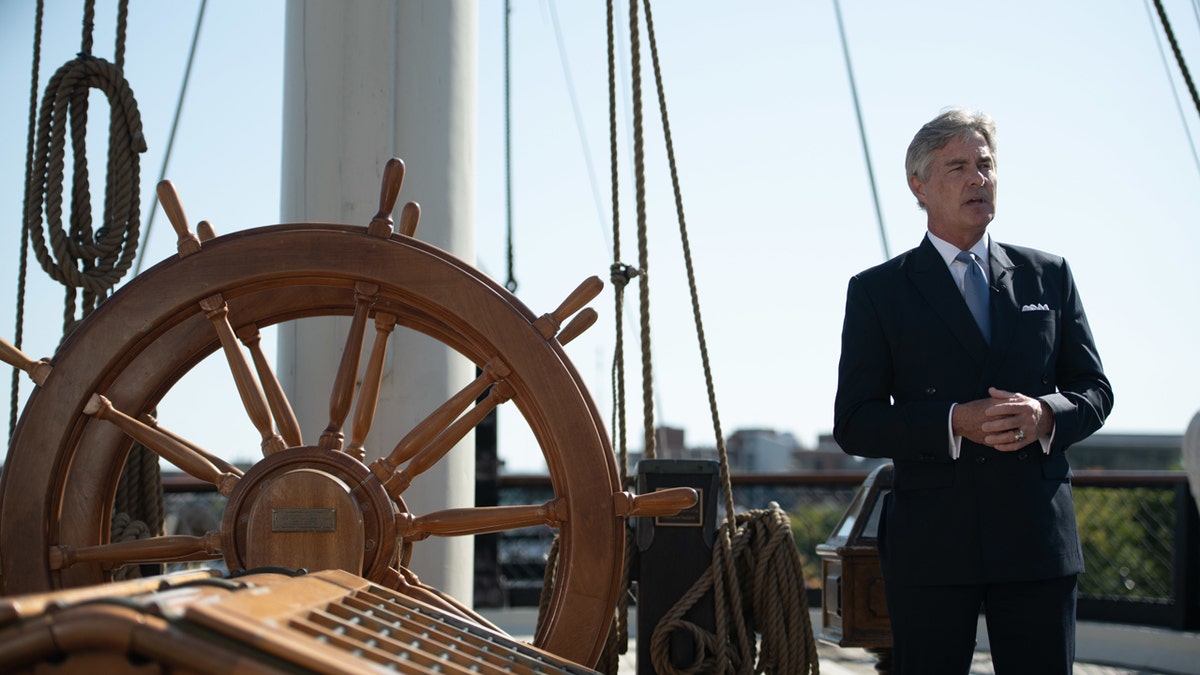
<point x="1019" y="435"/>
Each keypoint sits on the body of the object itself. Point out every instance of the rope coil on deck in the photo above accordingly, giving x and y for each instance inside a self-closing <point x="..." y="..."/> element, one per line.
<point x="768" y="566"/>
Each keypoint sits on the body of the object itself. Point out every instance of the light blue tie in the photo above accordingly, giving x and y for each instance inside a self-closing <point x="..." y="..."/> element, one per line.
<point x="975" y="292"/>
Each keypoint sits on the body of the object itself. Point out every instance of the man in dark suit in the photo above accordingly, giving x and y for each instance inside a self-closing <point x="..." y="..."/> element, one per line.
<point x="976" y="411"/>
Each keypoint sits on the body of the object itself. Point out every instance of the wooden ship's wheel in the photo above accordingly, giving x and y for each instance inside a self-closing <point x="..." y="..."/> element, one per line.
<point x="94" y="397"/>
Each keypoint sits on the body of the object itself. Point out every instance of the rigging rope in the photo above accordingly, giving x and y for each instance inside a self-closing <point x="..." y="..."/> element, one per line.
<point x="774" y="576"/>
<point x="620" y="275"/>
<point x="1183" y="69"/>
<point x="639" y="172"/>
<point x="23" y="264"/>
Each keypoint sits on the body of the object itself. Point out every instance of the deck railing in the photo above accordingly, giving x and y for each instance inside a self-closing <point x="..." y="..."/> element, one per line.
<point x="1140" y="534"/>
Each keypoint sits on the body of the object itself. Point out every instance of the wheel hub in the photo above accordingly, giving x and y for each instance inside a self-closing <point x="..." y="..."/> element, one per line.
<point x="313" y="509"/>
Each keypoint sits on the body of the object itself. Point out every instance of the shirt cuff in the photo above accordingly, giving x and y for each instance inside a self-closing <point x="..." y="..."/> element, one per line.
<point x="1048" y="440"/>
<point x="956" y="441"/>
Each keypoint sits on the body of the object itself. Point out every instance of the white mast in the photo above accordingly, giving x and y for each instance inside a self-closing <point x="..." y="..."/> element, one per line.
<point x="365" y="81"/>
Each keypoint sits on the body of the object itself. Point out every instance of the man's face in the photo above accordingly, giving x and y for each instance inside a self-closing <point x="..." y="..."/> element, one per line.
<point x="959" y="193"/>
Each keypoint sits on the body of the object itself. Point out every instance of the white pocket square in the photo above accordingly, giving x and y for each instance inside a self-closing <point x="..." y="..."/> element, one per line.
<point x="1035" y="308"/>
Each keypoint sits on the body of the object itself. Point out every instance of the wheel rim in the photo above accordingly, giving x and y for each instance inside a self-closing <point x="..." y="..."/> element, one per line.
<point x="63" y="465"/>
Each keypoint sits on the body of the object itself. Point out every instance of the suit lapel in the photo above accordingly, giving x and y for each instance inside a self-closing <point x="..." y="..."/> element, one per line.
<point x="1004" y="308"/>
<point x="933" y="281"/>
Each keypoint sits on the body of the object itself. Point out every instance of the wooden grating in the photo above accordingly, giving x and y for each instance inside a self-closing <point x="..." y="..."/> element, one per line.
<point x="326" y="622"/>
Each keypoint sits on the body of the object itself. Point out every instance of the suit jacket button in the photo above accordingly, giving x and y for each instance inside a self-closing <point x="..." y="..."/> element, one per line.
<point x="980" y="460"/>
<point x="1045" y="379"/>
<point x="930" y="391"/>
<point x="1022" y="455"/>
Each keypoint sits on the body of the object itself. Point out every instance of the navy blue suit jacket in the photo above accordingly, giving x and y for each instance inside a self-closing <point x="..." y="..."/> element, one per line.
<point x="910" y="349"/>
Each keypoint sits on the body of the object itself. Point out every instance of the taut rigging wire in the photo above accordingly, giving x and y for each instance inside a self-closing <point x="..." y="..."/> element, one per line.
<point x="575" y="108"/>
<point x="162" y="173"/>
<point x="1162" y="15"/>
<point x="862" y="130"/>
<point x="511" y="282"/>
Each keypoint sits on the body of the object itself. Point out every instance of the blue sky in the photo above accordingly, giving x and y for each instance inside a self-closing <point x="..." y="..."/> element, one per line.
<point x="1094" y="163"/>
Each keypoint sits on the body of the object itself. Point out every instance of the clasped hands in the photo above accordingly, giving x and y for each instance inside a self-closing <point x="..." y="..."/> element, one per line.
<point x="1005" y="421"/>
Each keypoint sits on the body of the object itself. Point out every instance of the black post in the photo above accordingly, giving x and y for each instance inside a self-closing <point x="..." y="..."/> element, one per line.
<point x="1187" y="560"/>
<point x="673" y="553"/>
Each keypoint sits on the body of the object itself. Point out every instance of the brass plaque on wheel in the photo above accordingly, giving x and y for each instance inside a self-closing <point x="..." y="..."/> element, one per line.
<point x="303" y="520"/>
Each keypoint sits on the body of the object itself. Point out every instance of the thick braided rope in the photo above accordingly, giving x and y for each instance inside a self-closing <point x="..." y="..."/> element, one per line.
<point x="107" y="254"/>
<point x="81" y="258"/>
<point x="639" y="170"/>
<point x="140" y="490"/>
<point x="770" y="568"/>
<point x="125" y="528"/>
<point x="619" y="272"/>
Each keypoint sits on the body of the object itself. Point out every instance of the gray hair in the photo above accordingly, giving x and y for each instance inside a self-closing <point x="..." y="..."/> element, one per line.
<point x="951" y="124"/>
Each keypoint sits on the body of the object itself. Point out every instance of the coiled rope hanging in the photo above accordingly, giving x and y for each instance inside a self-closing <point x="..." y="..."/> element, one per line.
<point x="77" y="255"/>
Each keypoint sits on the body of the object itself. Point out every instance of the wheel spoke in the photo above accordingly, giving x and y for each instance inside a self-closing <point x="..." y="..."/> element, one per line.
<point x="219" y="462"/>
<point x="178" y="548"/>
<point x="281" y="409"/>
<point x="38" y="371"/>
<point x="168" y="198"/>
<point x="410" y="216"/>
<point x="343" y="383"/>
<point x="548" y="324"/>
<point x="481" y="520"/>
<point x="368" y="395"/>
<point x="431" y="426"/>
<point x="657" y="504"/>
<point x="389" y="191"/>
<point x="163" y="445"/>
<point x="252" y="395"/>
<point x="580" y="323"/>
<point x="425" y="456"/>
